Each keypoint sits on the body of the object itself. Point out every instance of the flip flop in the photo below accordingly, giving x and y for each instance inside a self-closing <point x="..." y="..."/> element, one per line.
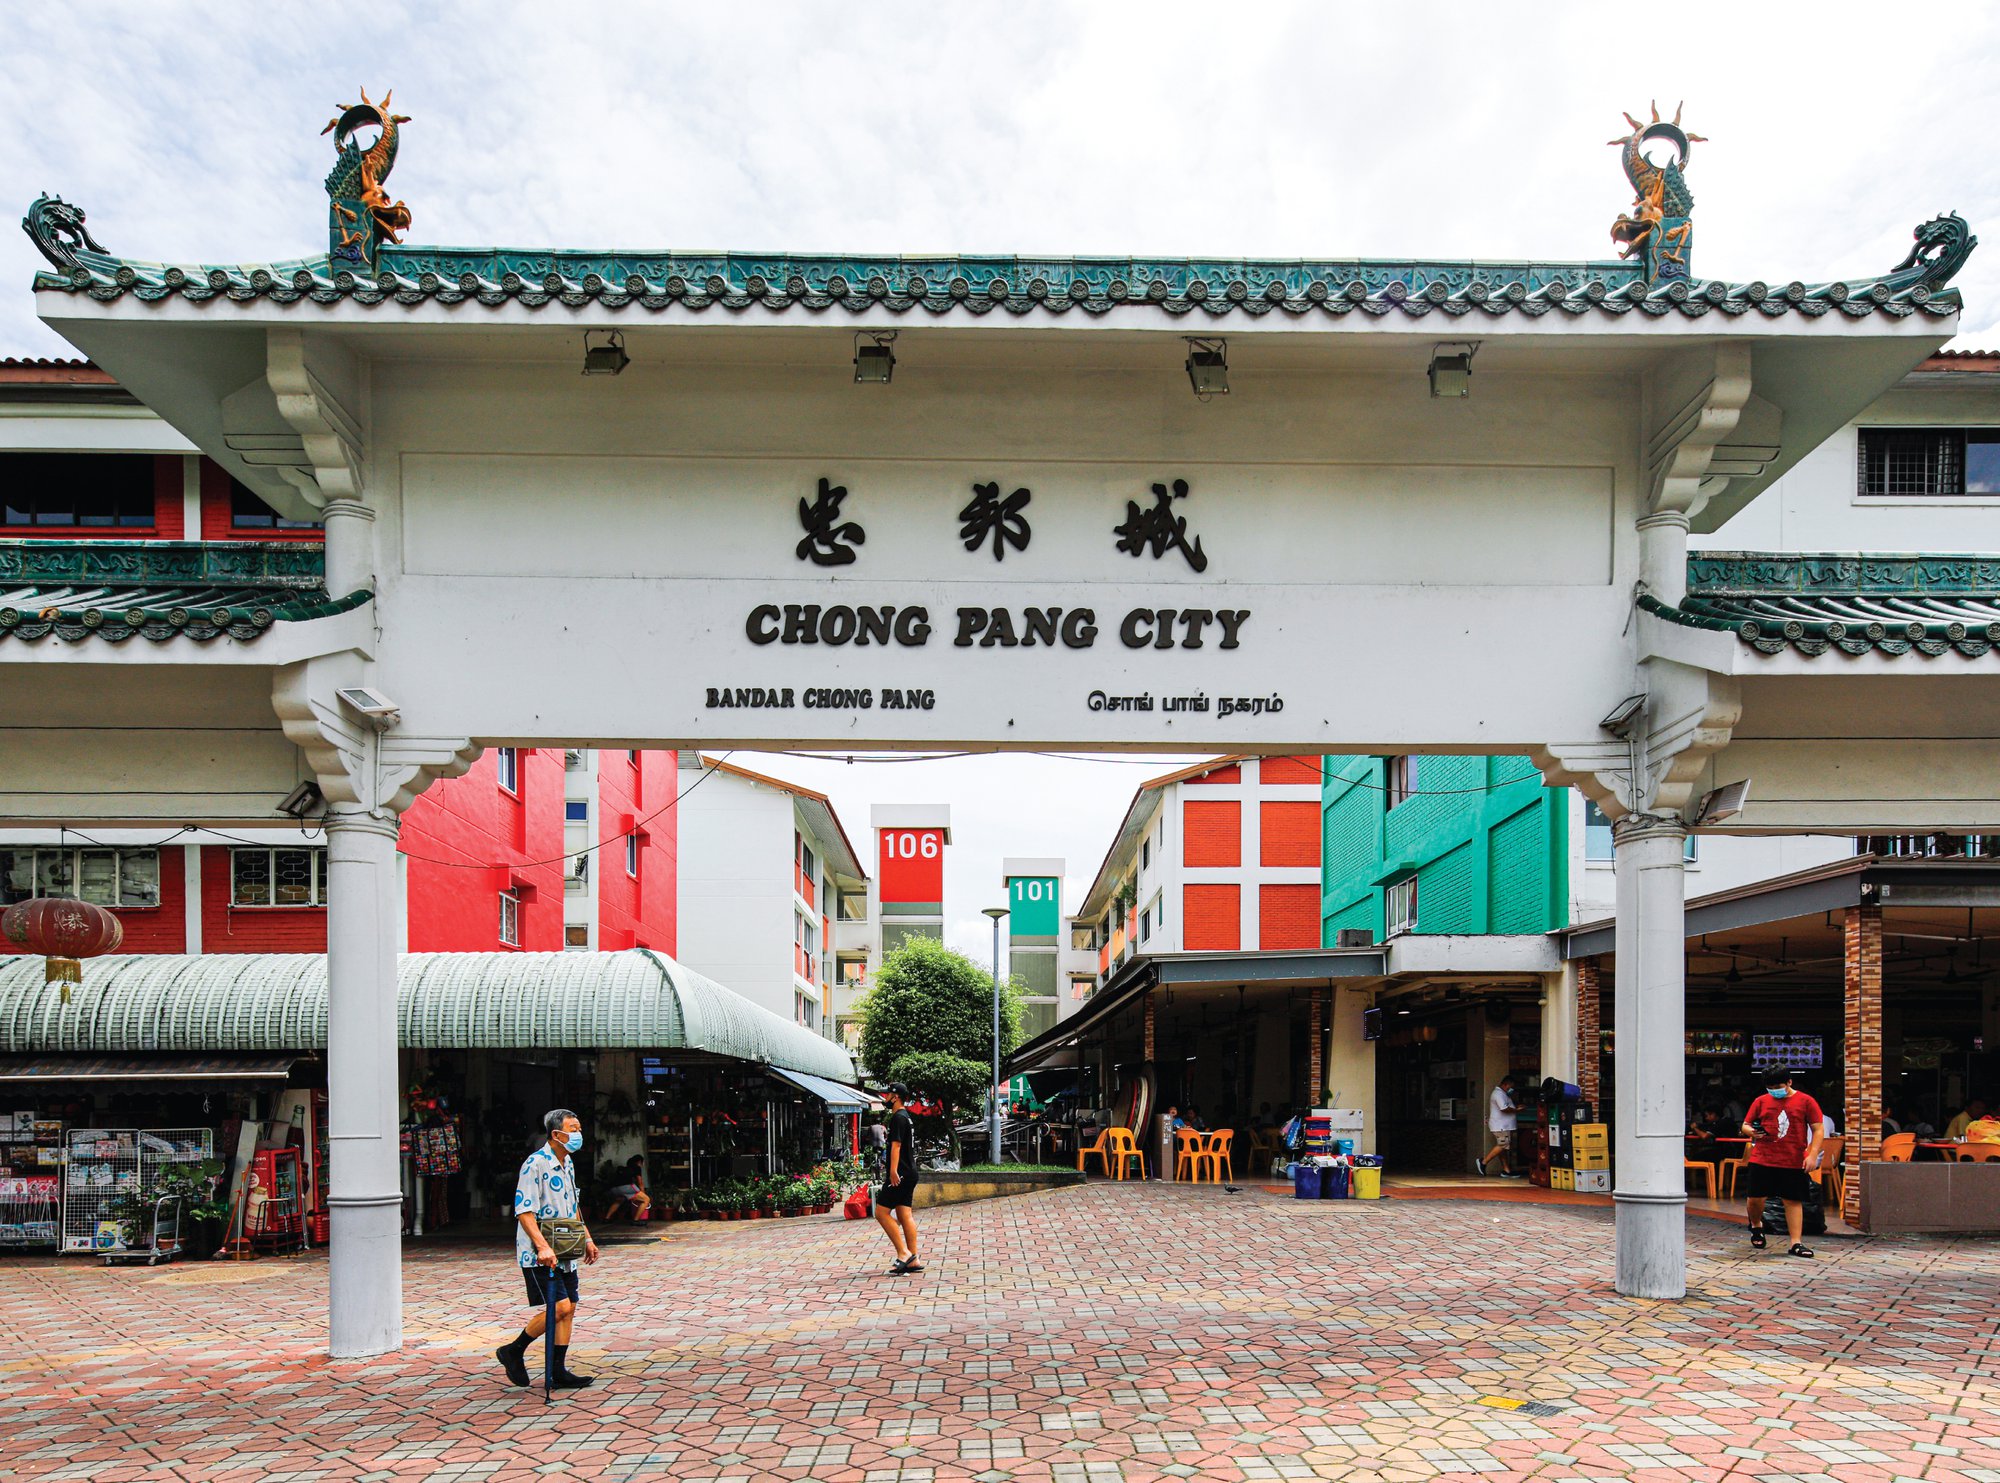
<point x="902" y="1266"/>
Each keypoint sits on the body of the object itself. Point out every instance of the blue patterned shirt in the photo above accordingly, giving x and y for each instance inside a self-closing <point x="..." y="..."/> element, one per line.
<point x="546" y="1190"/>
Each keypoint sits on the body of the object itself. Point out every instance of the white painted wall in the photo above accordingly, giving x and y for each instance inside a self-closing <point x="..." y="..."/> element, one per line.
<point x="735" y="888"/>
<point x="1815" y="507"/>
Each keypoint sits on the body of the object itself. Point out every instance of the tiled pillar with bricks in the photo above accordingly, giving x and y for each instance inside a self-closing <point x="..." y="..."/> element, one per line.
<point x="1863" y="1019"/>
<point x="1148" y="1013"/>
<point x="1589" y="1032"/>
<point x="1316" y="1055"/>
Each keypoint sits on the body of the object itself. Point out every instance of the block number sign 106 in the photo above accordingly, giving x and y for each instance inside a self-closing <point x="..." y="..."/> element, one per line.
<point x="909" y="846"/>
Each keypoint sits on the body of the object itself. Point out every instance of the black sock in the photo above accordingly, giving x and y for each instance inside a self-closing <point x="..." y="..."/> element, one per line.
<point x="562" y="1359"/>
<point x="519" y="1343"/>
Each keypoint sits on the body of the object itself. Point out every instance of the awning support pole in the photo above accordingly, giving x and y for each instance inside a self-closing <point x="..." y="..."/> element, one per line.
<point x="1650" y="1023"/>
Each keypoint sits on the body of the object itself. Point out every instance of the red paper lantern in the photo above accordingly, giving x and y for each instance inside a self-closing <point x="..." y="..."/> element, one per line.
<point x="63" y="931"/>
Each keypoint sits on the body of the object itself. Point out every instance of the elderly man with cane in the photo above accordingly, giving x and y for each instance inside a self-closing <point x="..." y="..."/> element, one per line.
<point x="549" y="1236"/>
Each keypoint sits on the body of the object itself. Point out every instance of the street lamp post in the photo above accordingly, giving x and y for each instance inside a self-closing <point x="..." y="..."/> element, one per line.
<point x="993" y="1107"/>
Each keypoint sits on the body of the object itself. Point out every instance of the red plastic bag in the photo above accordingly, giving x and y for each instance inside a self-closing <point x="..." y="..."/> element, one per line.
<point x="859" y="1205"/>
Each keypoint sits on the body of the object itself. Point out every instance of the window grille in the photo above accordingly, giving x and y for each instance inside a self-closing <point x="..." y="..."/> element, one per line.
<point x="277" y="878"/>
<point x="128" y="878"/>
<point x="1929" y="462"/>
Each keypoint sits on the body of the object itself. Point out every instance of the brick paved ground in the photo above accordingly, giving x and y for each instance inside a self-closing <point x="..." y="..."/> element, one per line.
<point x="1100" y="1335"/>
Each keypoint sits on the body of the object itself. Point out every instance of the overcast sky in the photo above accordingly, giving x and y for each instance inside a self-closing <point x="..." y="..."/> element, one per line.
<point x="1447" y="131"/>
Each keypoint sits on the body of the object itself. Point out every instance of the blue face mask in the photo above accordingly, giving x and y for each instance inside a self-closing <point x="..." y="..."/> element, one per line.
<point x="1779" y="1092"/>
<point x="574" y="1142"/>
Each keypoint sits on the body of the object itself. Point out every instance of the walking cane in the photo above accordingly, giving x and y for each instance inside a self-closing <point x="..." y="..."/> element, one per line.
<point x="551" y="1285"/>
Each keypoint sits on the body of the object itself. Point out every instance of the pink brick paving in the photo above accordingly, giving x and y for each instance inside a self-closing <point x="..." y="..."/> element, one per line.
<point x="1103" y="1335"/>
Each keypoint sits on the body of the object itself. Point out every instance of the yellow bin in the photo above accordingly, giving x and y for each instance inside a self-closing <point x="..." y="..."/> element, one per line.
<point x="1367" y="1184"/>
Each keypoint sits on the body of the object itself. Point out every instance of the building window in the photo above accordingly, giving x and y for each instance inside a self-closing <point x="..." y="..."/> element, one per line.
<point x="277" y="878"/>
<point x="576" y="811"/>
<point x="1401" y="901"/>
<point x="853" y="972"/>
<point x="632" y="855"/>
<point x="1597" y="836"/>
<point x="806" y="862"/>
<point x="128" y="878"/>
<point x="1146" y="852"/>
<point x="247" y="511"/>
<point x="1929" y="846"/>
<point x="1145" y="926"/>
<point x="95" y="491"/>
<point x="632" y="756"/>
<point x="852" y="907"/>
<point x="510" y="919"/>
<point x="1082" y="988"/>
<point x="1929" y="462"/>
<point x="1399" y="779"/>
<point x="507" y="767"/>
<point x="576" y="938"/>
<point x="805" y="1009"/>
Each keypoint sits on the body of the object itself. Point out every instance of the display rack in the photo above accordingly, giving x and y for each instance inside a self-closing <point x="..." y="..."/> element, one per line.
<point x="30" y="1210"/>
<point x="105" y="1163"/>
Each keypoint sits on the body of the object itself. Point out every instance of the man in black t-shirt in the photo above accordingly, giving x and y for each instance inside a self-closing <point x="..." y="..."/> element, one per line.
<point x="899" y="1186"/>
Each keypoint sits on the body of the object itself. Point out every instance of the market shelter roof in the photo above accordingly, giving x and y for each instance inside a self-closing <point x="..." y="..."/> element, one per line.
<point x="637" y="1000"/>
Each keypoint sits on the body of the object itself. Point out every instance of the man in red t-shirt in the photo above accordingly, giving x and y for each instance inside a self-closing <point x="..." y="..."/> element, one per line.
<point x="1785" y="1128"/>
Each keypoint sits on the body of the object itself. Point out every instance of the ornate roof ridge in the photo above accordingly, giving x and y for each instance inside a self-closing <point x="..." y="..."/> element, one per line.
<point x="1854" y="602"/>
<point x="983" y="284"/>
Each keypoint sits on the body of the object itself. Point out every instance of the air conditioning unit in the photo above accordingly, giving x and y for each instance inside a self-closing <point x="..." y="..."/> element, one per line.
<point x="1355" y="937"/>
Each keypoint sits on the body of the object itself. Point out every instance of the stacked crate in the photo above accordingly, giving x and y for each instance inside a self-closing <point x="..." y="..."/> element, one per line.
<point x="1590" y="1157"/>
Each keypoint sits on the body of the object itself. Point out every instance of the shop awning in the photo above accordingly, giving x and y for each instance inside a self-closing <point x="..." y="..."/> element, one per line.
<point x="838" y="1096"/>
<point x="15" y="1070"/>
<point x="274" y="1002"/>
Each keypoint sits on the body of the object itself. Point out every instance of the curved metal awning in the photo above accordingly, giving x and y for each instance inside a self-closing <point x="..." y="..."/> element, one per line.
<point x="638" y="1000"/>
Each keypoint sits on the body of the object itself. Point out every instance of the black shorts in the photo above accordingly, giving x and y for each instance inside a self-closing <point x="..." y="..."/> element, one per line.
<point x="896" y="1196"/>
<point x="537" y="1279"/>
<point x="1786" y="1184"/>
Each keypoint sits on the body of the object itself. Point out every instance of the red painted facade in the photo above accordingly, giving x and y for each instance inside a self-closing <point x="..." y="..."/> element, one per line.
<point x="466" y="840"/>
<point x="636" y="797"/>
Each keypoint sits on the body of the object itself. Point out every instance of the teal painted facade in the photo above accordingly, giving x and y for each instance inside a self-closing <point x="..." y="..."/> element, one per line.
<point x="1487" y="843"/>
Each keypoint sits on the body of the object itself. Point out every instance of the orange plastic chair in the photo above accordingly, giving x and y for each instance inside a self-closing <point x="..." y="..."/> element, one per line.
<point x="1123" y="1151"/>
<point x="1979" y="1153"/>
<point x="1899" y="1148"/>
<point x="1100" y="1150"/>
<point x="1187" y="1155"/>
<point x="1728" y="1172"/>
<point x="1215" y="1153"/>
<point x="1706" y="1171"/>
<point x="1829" y="1171"/>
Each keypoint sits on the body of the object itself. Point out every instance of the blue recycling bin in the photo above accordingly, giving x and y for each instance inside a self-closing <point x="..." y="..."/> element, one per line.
<point x="1305" y="1181"/>
<point x="1333" y="1182"/>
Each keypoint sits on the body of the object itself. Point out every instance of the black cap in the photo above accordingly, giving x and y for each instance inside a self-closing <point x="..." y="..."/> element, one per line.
<point x="897" y="1090"/>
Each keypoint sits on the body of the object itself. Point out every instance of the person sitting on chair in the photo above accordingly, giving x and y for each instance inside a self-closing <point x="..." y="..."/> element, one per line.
<point x="631" y="1193"/>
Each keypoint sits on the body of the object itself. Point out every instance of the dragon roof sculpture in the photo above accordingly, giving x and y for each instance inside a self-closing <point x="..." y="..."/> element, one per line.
<point x="360" y="215"/>
<point x="1658" y="229"/>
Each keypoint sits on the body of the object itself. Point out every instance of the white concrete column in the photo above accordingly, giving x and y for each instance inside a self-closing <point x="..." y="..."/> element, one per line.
<point x="1651" y="1018"/>
<point x="350" y="546"/>
<point x="366" y="1260"/>
<point x="1663" y="541"/>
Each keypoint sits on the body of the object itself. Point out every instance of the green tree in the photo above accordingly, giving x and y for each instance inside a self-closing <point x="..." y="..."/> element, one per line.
<point x="928" y="1022"/>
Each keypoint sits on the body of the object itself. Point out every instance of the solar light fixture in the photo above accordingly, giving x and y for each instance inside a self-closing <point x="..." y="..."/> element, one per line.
<point x="1624" y="716"/>
<point x="1208" y="367"/>
<point x="1722" y="803"/>
<point x="874" y="361"/>
<point x="1451" y="369"/>
<point x="303" y="800"/>
<point x="371" y="705"/>
<point x="604" y="353"/>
